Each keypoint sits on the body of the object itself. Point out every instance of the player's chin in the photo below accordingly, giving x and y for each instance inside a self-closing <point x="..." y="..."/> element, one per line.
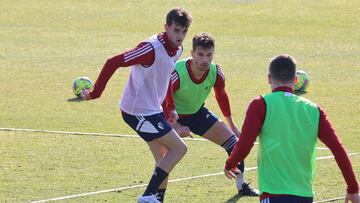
<point x="204" y="67"/>
<point x="178" y="42"/>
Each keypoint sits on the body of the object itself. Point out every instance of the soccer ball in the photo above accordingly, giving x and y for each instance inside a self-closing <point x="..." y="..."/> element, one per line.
<point x="303" y="81"/>
<point x="80" y="84"/>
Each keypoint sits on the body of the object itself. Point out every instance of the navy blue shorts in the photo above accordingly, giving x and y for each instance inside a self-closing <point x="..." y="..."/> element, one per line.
<point x="199" y="122"/>
<point x="287" y="199"/>
<point x="148" y="127"/>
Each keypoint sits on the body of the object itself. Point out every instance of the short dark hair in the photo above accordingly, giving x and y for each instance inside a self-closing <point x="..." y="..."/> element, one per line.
<point x="179" y="16"/>
<point x="204" y="40"/>
<point x="283" y="68"/>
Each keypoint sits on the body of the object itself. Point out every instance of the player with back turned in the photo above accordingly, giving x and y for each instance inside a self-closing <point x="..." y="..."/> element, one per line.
<point x="288" y="127"/>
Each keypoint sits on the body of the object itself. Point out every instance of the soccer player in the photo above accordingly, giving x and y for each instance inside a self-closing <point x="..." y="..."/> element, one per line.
<point x="191" y="83"/>
<point x="288" y="127"/>
<point x="152" y="63"/>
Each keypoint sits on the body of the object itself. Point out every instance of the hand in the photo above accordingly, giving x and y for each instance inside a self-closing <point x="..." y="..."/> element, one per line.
<point x="183" y="131"/>
<point x="232" y="126"/>
<point x="173" y="117"/>
<point x="354" y="198"/>
<point x="86" y="94"/>
<point x="232" y="173"/>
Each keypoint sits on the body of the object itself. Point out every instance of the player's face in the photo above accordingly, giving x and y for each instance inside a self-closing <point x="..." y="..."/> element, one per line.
<point x="176" y="34"/>
<point x="202" y="57"/>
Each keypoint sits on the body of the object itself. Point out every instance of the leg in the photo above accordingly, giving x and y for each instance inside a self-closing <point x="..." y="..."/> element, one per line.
<point x="220" y="134"/>
<point x="166" y="146"/>
<point x="175" y="150"/>
<point x="207" y="125"/>
<point x="158" y="152"/>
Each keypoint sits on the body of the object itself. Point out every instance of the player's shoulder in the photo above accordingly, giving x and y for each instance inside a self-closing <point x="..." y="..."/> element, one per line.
<point x="174" y="77"/>
<point x="256" y="104"/>
<point x="155" y="41"/>
<point x="258" y="100"/>
<point x="219" y="71"/>
<point x="181" y="65"/>
<point x="143" y="46"/>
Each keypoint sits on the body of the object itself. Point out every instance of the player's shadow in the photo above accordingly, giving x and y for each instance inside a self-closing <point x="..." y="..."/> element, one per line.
<point x="75" y="99"/>
<point x="233" y="199"/>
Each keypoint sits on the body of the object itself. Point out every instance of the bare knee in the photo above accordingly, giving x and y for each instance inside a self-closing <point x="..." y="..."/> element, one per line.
<point x="181" y="149"/>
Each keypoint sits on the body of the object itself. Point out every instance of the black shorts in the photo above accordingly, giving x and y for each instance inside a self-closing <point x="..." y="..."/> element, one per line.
<point x="148" y="127"/>
<point x="287" y="199"/>
<point x="199" y="122"/>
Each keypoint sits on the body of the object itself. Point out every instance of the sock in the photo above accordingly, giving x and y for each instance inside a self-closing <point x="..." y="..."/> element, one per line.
<point x="240" y="180"/>
<point x="229" y="146"/>
<point x="157" y="178"/>
<point x="160" y="194"/>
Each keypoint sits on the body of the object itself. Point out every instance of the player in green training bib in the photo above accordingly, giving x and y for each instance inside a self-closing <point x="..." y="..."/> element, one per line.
<point x="288" y="127"/>
<point x="191" y="84"/>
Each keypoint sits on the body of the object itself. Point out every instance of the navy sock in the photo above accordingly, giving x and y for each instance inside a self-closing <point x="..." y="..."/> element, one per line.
<point x="157" y="178"/>
<point x="229" y="146"/>
<point x="160" y="194"/>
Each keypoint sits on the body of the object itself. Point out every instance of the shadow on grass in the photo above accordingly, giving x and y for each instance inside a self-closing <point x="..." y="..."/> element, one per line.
<point x="234" y="199"/>
<point x="75" y="99"/>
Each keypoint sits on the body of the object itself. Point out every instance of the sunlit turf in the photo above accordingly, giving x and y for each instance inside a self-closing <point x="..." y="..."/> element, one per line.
<point x="44" y="45"/>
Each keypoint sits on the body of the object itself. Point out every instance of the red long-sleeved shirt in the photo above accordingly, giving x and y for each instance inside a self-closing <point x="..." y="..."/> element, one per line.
<point x="219" y="89"/>
<point x="143" y="54"/>
<point x="254" y="120"/>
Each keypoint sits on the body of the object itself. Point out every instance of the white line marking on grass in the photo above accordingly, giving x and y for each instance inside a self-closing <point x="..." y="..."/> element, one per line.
<point x="322" y="148"/>
<point x="83" y="133"/>
<point x="330" y="200"/>
<point x="101" y="134"/>
<point x="144" y="185"/>
<point x="329" y="157"/>
<point x="132" y="187"/>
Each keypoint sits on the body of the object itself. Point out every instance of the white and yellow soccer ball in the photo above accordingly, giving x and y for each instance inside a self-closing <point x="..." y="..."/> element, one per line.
<point x="303" y="82"/>
<point x="80" y="84"/>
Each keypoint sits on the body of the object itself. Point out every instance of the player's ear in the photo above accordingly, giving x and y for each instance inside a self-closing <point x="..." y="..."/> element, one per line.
<point x="295" y="79"/>
<point x="166" y="27"/>
<point x="269" y="79"/>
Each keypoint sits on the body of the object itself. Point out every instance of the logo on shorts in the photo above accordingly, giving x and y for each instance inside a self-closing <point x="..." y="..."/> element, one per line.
<point x="207" y="115"/>
<point x="161" y="125"/>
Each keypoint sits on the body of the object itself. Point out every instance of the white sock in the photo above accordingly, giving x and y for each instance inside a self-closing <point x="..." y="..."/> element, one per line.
<point x="240" y="180"/>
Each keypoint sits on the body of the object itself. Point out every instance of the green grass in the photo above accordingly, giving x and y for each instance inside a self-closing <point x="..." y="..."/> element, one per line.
<point x="44" y="45"/>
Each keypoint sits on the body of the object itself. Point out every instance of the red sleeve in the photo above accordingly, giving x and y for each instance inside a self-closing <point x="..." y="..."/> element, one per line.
<point x="220" y="93"/>
<point x="169" y="102"/>
<point x="251" y="128"/>
<point x="142" y="54"/>
<point x="328" y="136"/>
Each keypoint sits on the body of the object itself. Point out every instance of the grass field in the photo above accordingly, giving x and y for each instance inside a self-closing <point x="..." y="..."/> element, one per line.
<point x="44" y="45"/>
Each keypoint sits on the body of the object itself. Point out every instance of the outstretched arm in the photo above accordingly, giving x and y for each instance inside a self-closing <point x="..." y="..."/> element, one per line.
<point x="223" y="100"/>
<point x="253" y="122"/>
<point x="142" y="54"/>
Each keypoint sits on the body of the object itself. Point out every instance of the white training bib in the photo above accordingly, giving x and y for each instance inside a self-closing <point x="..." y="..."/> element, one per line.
<point x="146" y="88"/>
